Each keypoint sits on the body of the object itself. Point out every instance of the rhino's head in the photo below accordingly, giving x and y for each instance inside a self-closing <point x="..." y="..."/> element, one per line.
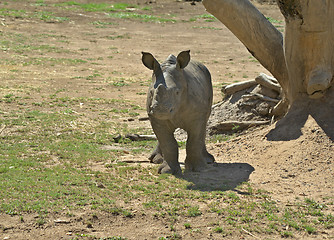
<point x="169" y="86"/>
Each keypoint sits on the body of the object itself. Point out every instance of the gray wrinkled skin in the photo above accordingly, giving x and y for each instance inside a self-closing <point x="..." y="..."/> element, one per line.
<point x="180" y="96"/>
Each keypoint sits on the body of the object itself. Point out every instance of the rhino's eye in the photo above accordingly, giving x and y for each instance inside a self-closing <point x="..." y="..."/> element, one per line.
<point x="177" y="93"/>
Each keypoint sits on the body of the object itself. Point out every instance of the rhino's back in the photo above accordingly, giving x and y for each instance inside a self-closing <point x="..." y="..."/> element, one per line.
<point x="199" y="84"/>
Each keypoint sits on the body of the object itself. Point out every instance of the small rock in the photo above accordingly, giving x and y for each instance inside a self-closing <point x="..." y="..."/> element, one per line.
<point x="62" y="221"/>
<point x="263" y="108"/>
<point x="100" y="185"/>
<point x="117" y="138"/>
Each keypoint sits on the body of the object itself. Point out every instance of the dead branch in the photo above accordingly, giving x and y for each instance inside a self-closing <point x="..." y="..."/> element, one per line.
<point x="260" y="96"/>
<point x="229" y="126"/>
<point x="217" y="105"/>
<point x="249" y="233"/>
<point x="268" y="82"/>
<point x="137" y="137"/>
<point x="236" y="87"/>
<point x="280" y="108"/>
<point x="143" y="118"/>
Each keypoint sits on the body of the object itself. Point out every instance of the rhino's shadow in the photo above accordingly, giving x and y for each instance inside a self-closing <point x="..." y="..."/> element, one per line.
<point x="219" y="177"/>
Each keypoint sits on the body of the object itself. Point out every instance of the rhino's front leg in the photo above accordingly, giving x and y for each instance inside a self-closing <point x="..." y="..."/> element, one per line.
<point x="197" y="155"/>
<point x="169" y="148"/>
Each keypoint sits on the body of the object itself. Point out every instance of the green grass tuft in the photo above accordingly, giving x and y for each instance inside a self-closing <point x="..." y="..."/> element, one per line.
<point x="97" y="7"/>
<point x="141" y="17"/>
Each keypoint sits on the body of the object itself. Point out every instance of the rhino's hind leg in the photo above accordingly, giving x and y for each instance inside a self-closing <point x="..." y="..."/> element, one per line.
<point x="164" y="168"/>
<point x="195" y="163"/>
<point x="209" y="158"/>
<point x="156" y="156"/>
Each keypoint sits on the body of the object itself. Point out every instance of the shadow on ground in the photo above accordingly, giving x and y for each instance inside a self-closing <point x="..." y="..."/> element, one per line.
<point x="219" y="177"/>
<point x="321" y="110"/>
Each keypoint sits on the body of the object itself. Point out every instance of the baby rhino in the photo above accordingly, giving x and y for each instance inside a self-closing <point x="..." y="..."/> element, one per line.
<point x="180" y="96"/>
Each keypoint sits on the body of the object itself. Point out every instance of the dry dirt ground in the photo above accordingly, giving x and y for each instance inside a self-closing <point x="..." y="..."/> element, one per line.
<point x="301" y="167"/>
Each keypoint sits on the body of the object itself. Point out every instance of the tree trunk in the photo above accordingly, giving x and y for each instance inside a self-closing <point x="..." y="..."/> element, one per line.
<point x="309" y="48"/>
<point x="304" y="67"/>
<point x="259" y="36"/>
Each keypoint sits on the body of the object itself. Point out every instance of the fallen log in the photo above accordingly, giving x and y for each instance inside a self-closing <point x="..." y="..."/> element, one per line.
<point x="268" y="82"/>
<point x="143" y="118"/>
<point x="236" y="87"/>
<point x="137" y="137"/>
<point x="260" y="96"/>
<point x="234" y="126"/>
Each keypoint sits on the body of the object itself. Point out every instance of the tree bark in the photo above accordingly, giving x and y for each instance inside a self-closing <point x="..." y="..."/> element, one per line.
<point x="236" y="87"/>
<point x="304" y="67"/>
<point x="309" y="55"/>
<point x="309" y="46"/>
<point x="259" y="36"/>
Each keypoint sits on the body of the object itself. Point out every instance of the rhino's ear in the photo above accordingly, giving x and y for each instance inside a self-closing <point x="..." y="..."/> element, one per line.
<point x="149" y="61"/>
<point x="183" y="59"/>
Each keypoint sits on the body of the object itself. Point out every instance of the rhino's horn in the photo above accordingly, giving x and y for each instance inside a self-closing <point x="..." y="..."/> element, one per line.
<point x="161" y="88"/>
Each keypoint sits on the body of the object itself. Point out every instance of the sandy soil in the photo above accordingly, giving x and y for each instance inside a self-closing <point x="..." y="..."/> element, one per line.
<point x="301" y="167"/>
